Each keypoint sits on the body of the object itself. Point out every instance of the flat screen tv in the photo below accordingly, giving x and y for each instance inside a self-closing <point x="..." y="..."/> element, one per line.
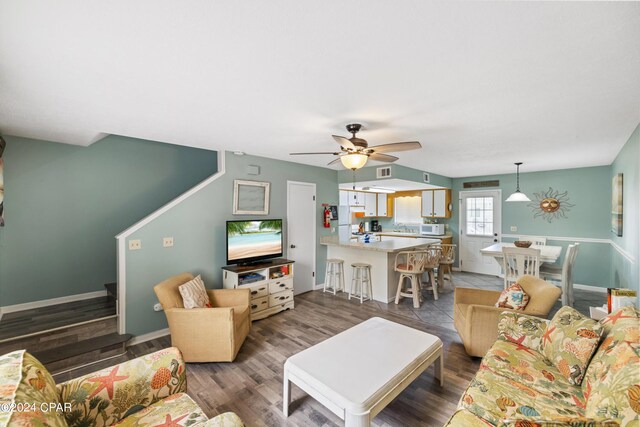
<point x="252" y="241"/>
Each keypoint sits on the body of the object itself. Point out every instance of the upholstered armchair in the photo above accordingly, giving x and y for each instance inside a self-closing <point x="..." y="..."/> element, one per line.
<point x="206" y="334"/>
<point x="475" y="315"/>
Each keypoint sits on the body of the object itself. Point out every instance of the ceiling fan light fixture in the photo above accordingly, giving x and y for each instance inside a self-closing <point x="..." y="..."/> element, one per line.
<point x="518" y="196"/>
<point x="354" y="161"/>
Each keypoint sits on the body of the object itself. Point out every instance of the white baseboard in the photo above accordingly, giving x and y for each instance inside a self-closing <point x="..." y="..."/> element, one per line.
<point x="52" y="301"/>
<point x="590" y="288"/>
<point x="148" y="337"/>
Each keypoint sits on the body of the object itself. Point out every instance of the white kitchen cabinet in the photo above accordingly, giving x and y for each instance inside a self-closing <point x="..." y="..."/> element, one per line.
<point x="344" y="198"/>
<point x="356" y="198"/>
<point x="382" y="205"/>
<point x="435" y="203"/>
<point x="370" y="204"/>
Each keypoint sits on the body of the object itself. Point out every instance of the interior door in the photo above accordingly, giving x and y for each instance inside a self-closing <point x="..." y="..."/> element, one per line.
<point x="480" y="227"/>
<point x="301" y="234"/>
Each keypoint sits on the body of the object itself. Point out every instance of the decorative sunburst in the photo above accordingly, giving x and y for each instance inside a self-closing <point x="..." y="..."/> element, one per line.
<point x="550" y="204"/>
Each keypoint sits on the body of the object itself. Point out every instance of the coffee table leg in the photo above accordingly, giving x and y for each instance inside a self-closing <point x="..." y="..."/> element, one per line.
<point x="286" y="395"/>
<point x="356" y="420"/>
<point x="439" y="369"/>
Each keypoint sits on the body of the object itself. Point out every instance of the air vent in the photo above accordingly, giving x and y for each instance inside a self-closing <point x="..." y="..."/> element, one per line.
<point x="383" y="172"/>
<point x="426" y="177"/>
<point x="481" y="184"/>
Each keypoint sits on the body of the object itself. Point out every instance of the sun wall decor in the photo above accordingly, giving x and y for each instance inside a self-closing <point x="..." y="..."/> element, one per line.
<point x="550" y="204"/>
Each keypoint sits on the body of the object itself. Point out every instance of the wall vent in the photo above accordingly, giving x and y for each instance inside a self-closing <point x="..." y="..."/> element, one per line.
<point x="426" y="177"/>
<point x="481" y="184"/>
<point x="383" y="172"/>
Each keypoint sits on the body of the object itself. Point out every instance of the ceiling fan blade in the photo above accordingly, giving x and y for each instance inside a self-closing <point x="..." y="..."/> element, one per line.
<point x="333" y="162"/>
<point x="396" y="146"/>
<point x="344" y="142"/>
<point x="322" y="152"/>
<point x="382" y="157"/>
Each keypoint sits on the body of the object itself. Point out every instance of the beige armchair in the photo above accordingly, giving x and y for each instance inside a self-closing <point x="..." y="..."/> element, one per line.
<point x="206" y="334"/>
<point x="475" y="315"/>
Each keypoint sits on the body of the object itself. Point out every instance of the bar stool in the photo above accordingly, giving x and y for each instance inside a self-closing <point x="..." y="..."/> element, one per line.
<point x="334" y="275"/>
<point x="361" y="281"/>
<point x="447" y="259"/>
<point x="410" y="265"/>
<point x="432" y="256"/>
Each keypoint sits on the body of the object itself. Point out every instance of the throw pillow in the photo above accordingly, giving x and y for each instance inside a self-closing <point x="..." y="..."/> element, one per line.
<point x="569" y="342"/>
<point x="194" y="294"/>
<point x="514" y="297"/>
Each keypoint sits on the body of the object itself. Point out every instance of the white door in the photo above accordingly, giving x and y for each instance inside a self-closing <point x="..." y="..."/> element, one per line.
<point x="480" y="227"/>
<point x="301" y="234"/>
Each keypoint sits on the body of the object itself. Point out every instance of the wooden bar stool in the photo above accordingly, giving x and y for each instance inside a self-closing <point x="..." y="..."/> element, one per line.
<point x="361" y="282"/>
<point x="410" y="265"/>
<point x="447" y="259"/>
<point x="432" y="256"/>
<point x="334" y="276"/>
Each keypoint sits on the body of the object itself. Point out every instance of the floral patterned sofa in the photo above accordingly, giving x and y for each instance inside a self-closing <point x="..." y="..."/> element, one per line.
<point x="145" y="391"/>
<point x="517" y="385"/>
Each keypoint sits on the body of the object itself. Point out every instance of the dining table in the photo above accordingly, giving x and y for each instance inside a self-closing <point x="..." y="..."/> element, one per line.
<point x="548" y="253"/>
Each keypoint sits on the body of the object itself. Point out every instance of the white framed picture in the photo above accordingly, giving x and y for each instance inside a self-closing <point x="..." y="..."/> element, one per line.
<point x="250" y="197"/>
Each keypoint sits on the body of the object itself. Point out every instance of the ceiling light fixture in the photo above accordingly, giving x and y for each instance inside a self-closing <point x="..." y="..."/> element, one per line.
<point x="518" y="196"/>
<point x="354" y="161"/>
<point x="378" y="190"/>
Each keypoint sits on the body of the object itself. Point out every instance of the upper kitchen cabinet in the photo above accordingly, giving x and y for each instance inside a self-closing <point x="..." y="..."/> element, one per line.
<point x="383" y="209"/>
<point x="351" y="198"/>
<point x="370" y="204"/>
<point x="344" y="198"/>
<point x="436" y="203"/>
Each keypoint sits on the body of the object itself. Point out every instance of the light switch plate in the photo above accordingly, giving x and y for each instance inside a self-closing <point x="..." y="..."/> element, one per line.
<point x="135" y="245"/>
<point x="514" y="228"/>
<point x="167" y="242"/>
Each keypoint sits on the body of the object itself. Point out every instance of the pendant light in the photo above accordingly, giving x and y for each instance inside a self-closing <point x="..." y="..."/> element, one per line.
<point x="518" y="196"/>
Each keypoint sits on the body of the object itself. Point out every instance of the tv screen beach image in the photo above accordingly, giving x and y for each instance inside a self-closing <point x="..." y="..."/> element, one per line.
<point x="249" y="239"/>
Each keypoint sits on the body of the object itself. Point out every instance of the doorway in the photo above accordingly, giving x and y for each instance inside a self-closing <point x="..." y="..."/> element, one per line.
<point x="301" y="234"/>
<point x="480" y="227"/>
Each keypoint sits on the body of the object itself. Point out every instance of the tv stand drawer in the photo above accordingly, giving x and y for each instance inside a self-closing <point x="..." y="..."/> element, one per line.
<point x="280" y="285"/>
<point x="259" y="304"/>
<point x="280" y="298"/>
<point x="259" y="291"/>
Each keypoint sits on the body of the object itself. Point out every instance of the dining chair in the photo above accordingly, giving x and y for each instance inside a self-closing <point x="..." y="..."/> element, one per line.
<point x="517" y="262"/>
<point x="535" y="240"/>
<point x="563" y="274"/>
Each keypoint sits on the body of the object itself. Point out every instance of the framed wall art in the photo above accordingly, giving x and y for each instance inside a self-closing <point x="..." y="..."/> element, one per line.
<point x="616" y="205"/>
<point x="250" y="197"/>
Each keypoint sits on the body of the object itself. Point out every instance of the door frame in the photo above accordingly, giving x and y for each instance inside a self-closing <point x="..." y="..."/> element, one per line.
<point x="313" y="228"/>
<point x="460" y="219"/>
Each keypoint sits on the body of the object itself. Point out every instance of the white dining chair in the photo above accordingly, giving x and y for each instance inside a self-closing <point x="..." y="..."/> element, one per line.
<point x="517" y="262"/>
<point x="563" y="274"/>
<point x="535" y="240"/>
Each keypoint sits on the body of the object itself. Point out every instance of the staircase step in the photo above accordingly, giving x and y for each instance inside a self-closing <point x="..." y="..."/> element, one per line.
<point x="112" y="291"/>
<point x="81" y="347"/>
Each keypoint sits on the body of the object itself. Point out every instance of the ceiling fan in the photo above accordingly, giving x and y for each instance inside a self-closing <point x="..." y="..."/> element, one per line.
<point x="354" y="152"/>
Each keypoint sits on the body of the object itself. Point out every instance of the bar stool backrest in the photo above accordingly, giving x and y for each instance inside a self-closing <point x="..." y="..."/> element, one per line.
<point x="410" y="262"/>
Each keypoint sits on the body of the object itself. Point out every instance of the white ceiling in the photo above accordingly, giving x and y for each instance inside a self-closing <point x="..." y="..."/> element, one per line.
<point x="480" y="84"/>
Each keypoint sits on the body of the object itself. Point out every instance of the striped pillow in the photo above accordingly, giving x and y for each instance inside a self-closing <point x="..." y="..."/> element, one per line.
<point x="194" y="294"/>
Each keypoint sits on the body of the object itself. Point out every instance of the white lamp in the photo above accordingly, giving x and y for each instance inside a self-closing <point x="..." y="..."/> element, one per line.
<point x="354" y="161"/>
<point x="518" y="196"/>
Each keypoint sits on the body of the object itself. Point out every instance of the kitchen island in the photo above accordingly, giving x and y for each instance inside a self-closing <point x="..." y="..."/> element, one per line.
<point x="381" y="255"/>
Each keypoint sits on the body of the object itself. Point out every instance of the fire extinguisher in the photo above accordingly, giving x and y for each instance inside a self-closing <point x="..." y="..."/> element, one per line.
<point x="327" y="217"/>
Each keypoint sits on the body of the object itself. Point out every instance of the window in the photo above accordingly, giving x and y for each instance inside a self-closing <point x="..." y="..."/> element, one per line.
<point x="479" y="216"/>
<point x="408" y="210"/>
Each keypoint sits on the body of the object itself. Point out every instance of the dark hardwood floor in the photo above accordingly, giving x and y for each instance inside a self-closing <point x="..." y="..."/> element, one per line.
<point x="252" y="385"/>
<point x="55" y="316"/>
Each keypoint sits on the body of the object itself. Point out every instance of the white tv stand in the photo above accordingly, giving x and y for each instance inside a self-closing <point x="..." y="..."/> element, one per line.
<point x="270" y="282"/>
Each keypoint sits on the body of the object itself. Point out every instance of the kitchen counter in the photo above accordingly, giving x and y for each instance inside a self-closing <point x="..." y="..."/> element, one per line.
<point x="389" y="246"/>
<point x="405" y="234"/>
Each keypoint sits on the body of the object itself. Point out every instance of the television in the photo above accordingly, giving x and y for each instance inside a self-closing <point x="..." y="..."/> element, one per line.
<point x="252" y="241"/>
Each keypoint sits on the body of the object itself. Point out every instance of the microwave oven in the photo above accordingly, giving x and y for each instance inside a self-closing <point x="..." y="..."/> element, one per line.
<point x="432" y="229"/>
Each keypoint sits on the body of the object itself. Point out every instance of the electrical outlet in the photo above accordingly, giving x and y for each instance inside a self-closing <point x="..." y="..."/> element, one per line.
<point x="157" y="307"/>
<point x="134" y="245"/>
<point x="514" y="228"/>
<point x="333" y="229"/>
<point x="167" y="242"/>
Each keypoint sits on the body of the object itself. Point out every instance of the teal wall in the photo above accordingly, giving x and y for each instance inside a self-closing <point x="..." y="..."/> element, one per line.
<point x="589" y="190"/>
<point x="625" y="270"/>
<point x="64" y="204"/>
<point x="198" y="228"/>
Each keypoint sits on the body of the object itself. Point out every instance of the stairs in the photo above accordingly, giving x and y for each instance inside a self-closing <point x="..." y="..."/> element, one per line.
<point x="67" y="337"/>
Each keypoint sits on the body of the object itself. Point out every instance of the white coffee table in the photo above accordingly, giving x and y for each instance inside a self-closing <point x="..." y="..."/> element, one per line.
<point x="358" y="372"/>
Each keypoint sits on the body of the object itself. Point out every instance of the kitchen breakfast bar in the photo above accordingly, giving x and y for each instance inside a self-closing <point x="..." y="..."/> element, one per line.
<point x="381" y="255"/>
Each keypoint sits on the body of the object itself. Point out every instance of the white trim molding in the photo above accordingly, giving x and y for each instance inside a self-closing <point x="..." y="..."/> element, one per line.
<point x="622" y="252"/>
<point x="562" y="239"/>
<point x="122" y="237"/>
<point x="51" y="301"/>
<point x="148" y="337"/>
<point x="590" y="288"/>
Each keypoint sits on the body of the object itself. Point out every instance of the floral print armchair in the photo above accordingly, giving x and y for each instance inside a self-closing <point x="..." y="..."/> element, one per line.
<point x="149" y="390"/>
